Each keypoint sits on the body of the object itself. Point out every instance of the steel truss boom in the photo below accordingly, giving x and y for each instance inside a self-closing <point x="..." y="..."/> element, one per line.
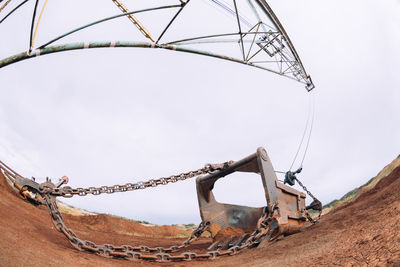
<point x="110" y="44"/>
<point x="268" y="10"/>
<point x="271" y="45"/>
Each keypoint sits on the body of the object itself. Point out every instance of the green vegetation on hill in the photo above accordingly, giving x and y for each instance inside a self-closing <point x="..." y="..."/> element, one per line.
<point x="355" y="193"/>
<point x="348" y="195"/>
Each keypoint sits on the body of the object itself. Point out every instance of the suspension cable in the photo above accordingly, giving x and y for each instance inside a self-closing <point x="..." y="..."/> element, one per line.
<point x="37" y="24"/>
<point x="304" y="134"/>
<point x="32" y="25"/>
<point x="231" y="11"/>
<point x="12" y="11"/>
<point x="257" y="14"/>
<point x="311" y="129"/>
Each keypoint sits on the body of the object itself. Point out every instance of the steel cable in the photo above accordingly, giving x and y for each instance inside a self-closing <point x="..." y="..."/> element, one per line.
<point x="12" y="11"/>
<point x="38" y="22"/>
<point x="32" y="25"/>
<point x="231" y="11"/>
<point x="304" y="134"/>
<point x="311" y="129"/>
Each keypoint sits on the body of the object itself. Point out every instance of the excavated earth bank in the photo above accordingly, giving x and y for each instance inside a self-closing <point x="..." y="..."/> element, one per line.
<point x="365" y="232"/>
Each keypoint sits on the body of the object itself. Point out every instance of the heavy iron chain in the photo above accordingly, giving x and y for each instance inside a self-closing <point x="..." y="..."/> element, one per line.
<point x="159" y="254"/>
<point x="315" y="202"/>
<point x="265" y="229"/>
<point x="290" y="178"/>
<point x="69" y="192"/>
<point x="267" y="226"/>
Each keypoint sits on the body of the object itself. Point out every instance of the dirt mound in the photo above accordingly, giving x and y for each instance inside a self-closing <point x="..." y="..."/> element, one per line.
<point x="28" y="237"/>
<point x="355" y="193"/>
<point x="365" y="232"/>
<point x="117" y="225"/>
<point x="107" y="224"/>
<point x="229" y="232"/>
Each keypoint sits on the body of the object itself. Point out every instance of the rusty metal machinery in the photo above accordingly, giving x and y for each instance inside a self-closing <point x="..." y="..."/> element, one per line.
<point x="264" y="44"/>
<point x="288" y="203"/>
<point x="285" y="212"/>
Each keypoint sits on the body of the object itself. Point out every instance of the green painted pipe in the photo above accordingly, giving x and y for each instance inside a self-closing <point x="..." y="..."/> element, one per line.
<point x="107" y="44"/>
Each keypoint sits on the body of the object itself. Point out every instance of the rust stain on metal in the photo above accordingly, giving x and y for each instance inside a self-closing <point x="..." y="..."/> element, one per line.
<point x="289" y="203"/>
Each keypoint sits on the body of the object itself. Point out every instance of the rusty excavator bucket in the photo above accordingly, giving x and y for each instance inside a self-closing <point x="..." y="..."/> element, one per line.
<point x="287" y="204"/>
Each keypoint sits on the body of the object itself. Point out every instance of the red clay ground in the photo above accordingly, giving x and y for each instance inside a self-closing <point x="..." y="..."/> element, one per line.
<point x="365" y="232"/>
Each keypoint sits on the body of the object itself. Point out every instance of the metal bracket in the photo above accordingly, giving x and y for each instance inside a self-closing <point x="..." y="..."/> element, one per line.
<point x="310" y="85"/>
<point x="25" y="182"/>
<point x="30" y="190"/>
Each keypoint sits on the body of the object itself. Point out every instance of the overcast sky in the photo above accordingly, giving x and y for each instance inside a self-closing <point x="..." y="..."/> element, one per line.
<point x="113" y="116"/>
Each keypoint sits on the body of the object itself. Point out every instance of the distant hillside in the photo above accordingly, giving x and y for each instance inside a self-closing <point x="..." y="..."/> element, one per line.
<point x="183" y="230"/>
<point x="355" y="193"/>
<point x="68" y="209"/>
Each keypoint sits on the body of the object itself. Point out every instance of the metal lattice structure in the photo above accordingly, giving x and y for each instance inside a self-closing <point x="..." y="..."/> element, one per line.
<point x="258" y="38"/>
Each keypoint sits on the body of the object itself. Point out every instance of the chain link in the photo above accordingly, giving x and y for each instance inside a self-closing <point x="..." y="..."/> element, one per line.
<point x="315" y="201"/>
<point x="267" y="227"/>
<point x="160" y="254"/>
<point x="69" y="192"/>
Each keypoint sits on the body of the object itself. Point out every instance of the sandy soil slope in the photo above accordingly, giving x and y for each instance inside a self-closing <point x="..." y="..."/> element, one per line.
<point x="365" y="232"/>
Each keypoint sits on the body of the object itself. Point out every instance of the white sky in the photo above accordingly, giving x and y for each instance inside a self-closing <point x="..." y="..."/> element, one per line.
<point x="112" y="116"/>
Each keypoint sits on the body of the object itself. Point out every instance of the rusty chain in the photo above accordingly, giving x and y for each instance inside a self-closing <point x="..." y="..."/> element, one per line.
<point x="161" y="254"/>
<point x="266" y="228"/>
<point x="316" y="203"/>
<point x="69" y="192"/>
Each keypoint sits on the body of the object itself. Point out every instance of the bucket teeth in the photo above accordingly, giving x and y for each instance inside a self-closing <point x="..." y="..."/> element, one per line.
<point x="217" y="244"/>
<point x="273" y="233"/>
<point x="228" y="243"/>
<point x="241" y="240"/>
